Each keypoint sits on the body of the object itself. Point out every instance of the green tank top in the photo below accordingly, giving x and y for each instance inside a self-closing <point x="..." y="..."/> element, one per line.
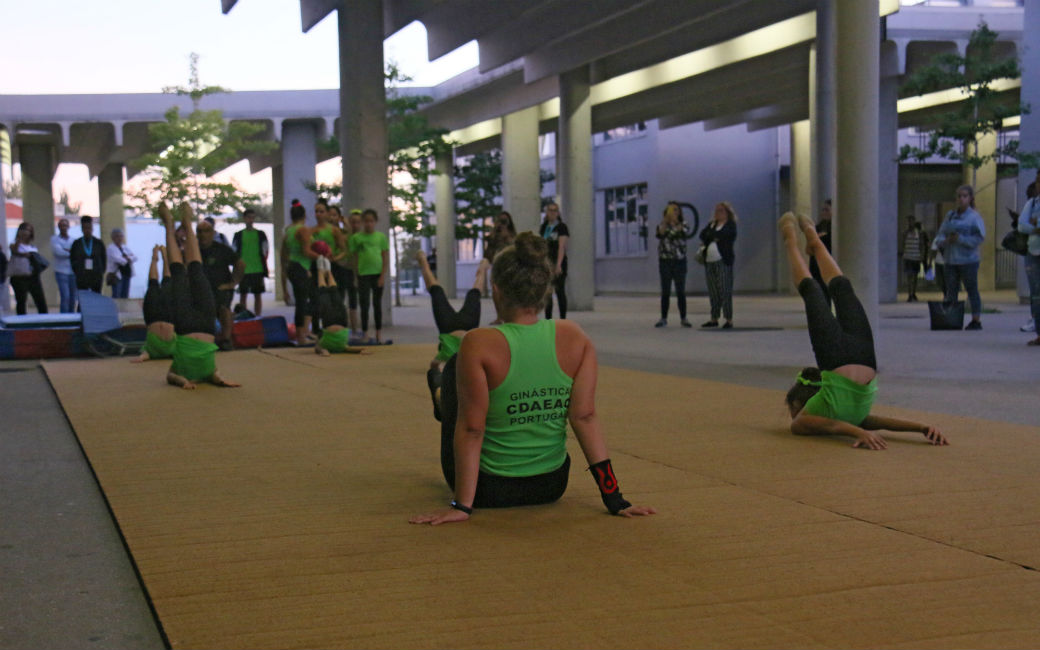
<point x="158" y="348"/>
<point x="327" y="235"/>
<point x="526" y="428"/>
<point x="296" y="253"/>
<point x="337" y="341"/>
<point x="840" y="398"/>
<point x="448" y="346"/>
<point x="194" y="359"/>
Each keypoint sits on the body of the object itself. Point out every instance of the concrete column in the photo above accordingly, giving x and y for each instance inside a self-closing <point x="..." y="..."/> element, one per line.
<point x="574" y="176"/>
<point x="299" y="157"/>
<point x="802" y="185"/>
<point x="280" y="217"/>
<point x="855" y="222"/>
<point x="521" y="191"/>
<point x="1029" y="130"/>
<point x="888" y="175"/>
<point x="444" y="200"/>
<point x="5" y="303"/>
<point x="823" y="107"/>
<point x="110" y="198"/>
<point x="362" y="101"/>
<point x="38" y="203"/>
<point x="984" y="180"/>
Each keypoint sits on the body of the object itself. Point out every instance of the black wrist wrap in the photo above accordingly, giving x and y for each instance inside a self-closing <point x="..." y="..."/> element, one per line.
<point x="608" y="487"/>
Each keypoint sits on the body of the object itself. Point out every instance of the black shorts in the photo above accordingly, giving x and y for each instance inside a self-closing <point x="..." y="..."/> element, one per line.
<point x="252" y="283"/>
<point x="911" y="267"/>
<point x="223" y="297"/>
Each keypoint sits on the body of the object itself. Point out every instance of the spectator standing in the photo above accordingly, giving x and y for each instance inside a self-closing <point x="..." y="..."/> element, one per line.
<point x="963" y="233"/>
<point x="1029" y="223"/>
<point x="251" y="246"/>
<point x="25" y="270"/>
<point x="61" y="251"/>
<point x="120" y="266"/>
<point x="719" y="236"/>
<point x="556" y="235"/>
<point x="88" y="257"/>
<point x="672" y="234"/>
<point x="224" y="269"/>
<point x="915" y="252"/>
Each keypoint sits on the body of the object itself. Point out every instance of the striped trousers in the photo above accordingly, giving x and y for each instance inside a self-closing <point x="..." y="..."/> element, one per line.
<point x="720" y="289"/>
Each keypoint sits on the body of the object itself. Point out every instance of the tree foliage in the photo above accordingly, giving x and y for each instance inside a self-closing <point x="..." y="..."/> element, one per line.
<point x="478" y="193"/>
<point x="956" y="132"/>
<point x="185" y="151"/>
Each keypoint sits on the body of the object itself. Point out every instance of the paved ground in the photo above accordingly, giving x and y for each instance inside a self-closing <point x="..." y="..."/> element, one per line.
<point x="67" y="580"/>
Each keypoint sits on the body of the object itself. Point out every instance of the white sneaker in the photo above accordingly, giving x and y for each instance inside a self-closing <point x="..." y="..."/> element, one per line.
<point x="1028" y="327"/>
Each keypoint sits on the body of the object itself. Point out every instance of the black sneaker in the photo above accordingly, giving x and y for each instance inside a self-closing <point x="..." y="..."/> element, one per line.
<point x="661" y="323"/>
<point x="433" y="380"/>
<point x="711" y="323"/>
<point x="973" y="325"/>
<point x="686" y="323"/>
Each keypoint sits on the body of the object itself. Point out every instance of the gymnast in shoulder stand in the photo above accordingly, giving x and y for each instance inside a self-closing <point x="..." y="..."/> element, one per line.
<point x="193" y="309"/>
<point x="835" y="397"/>
<point x="333" y="313"/>
<point x="161" y="340"/>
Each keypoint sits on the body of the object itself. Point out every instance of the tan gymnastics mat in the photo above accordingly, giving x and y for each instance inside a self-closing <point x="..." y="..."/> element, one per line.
<point x="275" y="516"/>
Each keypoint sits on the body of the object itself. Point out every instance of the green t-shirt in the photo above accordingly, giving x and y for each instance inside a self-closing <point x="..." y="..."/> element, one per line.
<point x="526" y="427"/>
<point x="448" y="346"/>
<point x="194" y="359"/>
<point x="337" y="341"/>
<point x="840" y="398"/>
<point x="296" y="253"/>
<point x="251" y="251"/>
<point x="369" y="248"/>
<point x="158" y="348"/>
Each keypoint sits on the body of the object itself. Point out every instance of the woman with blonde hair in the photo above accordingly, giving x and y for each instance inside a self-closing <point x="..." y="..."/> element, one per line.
<point x="718" y="237"/>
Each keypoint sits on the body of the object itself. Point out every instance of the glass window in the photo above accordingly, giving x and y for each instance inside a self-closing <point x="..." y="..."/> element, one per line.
<point x="625" y="220"/>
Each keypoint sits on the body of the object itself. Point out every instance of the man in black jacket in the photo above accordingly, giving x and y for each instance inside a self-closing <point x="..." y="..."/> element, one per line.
<point x="88" y="258"/>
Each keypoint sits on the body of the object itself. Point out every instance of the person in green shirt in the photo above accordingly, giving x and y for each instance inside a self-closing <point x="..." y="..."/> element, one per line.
<point x="335" y="335"/>
<point x="252" y="248"/>
<point x="508" y="395"/>
<point x="835" y="397"/>
<point x="296" y="255"/>
<point x="161" y="339"/>
<point x="372" y="251"/>
<point x="193" y="308"/>
<point x="324" y="231"/>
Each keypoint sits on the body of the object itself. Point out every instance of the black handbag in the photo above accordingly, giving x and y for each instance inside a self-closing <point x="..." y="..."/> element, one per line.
<point x="1016" y="242"/>
<point x="38" y="262"/>
<point x="945" y="315"/>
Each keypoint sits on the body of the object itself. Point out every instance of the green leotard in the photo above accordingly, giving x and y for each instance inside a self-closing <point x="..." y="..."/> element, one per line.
<point x="326" y="235"/>
<point x="337" y="341"/>
<point x="194" y="359"/>
<point x="296" y="253"/>
<point x="526" y="428"/>
<point x="158" y="348"/>
<point x="448" y="346"/>
<point x="840" y="398"/>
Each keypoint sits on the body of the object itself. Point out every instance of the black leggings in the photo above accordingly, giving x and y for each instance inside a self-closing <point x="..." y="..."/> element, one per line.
<point x="157" y="302"/>
<point x="301" y="288"/>
<point x="840" y="338"/>
<point x="368" y="285"/>
<point x="560" y="285"/>
<point x="345" y="284"/>
<point x="25" y="286"/>
<point x="331" y="308"/>
<point x="494" y="491"/>
<point x="672" y="271"/>
<point x="448" y="320"/>
<point x="194" y="309"/>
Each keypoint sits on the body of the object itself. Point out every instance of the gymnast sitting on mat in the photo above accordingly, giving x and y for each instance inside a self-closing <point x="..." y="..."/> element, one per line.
<point x="160" y="339"/>
<point x="333" y="313"/>
<point x="835" y="397"/>
<point x="503" y="434"/>
<point x="193" y="308"/>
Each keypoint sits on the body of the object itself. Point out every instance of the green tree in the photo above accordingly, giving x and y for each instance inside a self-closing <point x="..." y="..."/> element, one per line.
<point x="956" y="132"/>
<point x="478" y="193"/>
<point x="186" y="151"/>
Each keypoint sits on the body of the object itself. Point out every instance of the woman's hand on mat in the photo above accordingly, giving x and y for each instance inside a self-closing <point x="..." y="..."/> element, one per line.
<point x="637" y="511"/>
<point x="442" y="517"/>
<point x="870" y="440"/>
<point x="934" y="435"/>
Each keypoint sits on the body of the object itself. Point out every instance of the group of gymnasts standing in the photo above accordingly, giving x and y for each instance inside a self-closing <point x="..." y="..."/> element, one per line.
<point x="504" y="394"/>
